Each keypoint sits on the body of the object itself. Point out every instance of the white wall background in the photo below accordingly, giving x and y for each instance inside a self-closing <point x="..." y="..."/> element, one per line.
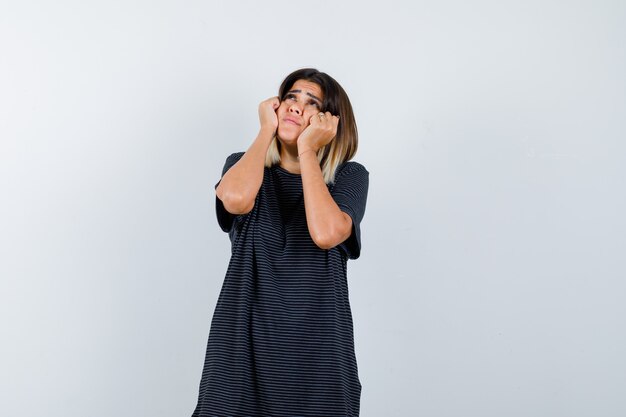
<point x="492" y="277"/>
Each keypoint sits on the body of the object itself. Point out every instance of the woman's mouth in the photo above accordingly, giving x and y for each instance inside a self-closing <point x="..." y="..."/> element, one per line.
<point x="290" y="121"/>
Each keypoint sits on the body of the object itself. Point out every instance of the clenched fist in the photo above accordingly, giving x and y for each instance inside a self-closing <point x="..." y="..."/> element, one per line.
<point x="267" y="113"/>
<point x="321" y="130"/>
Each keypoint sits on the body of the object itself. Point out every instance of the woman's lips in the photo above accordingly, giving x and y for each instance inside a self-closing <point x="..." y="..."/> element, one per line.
<point x="291" y="122"/>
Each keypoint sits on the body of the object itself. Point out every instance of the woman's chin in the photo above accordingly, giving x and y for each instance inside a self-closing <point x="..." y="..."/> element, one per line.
<point x="288" y="138"/>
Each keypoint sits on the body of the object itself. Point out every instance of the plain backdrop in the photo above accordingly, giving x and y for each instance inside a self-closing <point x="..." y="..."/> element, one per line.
<point x="492" y="277"/>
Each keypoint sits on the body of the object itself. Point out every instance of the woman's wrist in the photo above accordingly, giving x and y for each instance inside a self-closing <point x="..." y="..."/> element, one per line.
<point x="302" y="151"/>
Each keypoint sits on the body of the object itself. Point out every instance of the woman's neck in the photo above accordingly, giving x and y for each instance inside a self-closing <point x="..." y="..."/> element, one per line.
<point x="289" y="158"/>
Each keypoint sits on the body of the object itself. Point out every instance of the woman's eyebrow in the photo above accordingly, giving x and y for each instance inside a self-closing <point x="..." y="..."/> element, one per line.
<point x="308" y="94"/>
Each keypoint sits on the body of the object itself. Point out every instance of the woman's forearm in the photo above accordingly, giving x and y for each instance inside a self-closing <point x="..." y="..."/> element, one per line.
<point x="239" y="186"/>
<point x="327" y="224"/>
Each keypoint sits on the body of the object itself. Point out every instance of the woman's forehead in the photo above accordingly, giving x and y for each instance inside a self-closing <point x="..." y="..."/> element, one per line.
<point x="308" y="87"/>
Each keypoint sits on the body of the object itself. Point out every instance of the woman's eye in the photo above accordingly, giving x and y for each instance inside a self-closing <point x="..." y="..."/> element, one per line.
<point x="293" y="97"/>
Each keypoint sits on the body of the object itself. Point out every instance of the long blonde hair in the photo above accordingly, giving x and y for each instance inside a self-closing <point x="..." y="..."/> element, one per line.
<point x="343" y="147"/>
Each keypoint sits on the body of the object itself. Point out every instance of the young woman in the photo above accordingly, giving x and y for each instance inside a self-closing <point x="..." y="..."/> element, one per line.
<point x="281" y="339"/>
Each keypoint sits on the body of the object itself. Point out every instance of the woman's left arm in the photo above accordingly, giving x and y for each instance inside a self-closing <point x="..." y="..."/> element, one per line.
<point x="328" y="225"/>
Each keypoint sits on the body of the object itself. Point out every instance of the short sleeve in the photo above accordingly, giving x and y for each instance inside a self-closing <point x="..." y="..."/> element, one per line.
<point x="350" y="193"/>
<point x="225" y="219"/>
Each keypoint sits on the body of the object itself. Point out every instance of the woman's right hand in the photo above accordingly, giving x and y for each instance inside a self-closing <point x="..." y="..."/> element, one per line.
<point x="267" y="113"/>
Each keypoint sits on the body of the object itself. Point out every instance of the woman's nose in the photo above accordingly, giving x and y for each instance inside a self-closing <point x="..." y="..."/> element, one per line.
<point x="295" y="109"/>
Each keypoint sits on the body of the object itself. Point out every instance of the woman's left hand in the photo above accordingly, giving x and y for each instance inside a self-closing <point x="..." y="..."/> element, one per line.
<point x="321" y="130"/>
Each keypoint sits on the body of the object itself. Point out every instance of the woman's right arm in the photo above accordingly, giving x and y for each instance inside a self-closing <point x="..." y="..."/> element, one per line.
<point x="240" y="184"/>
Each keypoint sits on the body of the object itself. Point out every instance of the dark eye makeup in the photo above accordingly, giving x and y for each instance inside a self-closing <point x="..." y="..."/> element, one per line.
<point x="291" y="95"/>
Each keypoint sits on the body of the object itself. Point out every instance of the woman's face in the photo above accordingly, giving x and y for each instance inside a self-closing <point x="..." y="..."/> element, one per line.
<point x="302" y="101"/>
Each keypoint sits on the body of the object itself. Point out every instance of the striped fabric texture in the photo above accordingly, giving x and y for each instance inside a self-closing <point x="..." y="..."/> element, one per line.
<point x="281" y="342"/>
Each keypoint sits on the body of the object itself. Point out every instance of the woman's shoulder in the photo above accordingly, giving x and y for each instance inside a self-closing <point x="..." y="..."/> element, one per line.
<point x="231" y="160"/>
<point x="350" y="167"/>
<point x="350" y="172"/>
<point x="235" y="156"/>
